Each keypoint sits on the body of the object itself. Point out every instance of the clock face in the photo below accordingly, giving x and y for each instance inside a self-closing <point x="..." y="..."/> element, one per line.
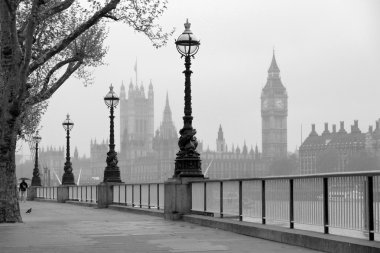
<point x="279" y="103"/>
<point x="265" y="104"/>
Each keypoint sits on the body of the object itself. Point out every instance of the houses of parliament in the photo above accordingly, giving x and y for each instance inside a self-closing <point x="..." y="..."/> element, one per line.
<point x="147" y="154"/>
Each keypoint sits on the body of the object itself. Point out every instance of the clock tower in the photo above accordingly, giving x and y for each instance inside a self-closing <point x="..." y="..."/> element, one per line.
<point x="274" y="112"/>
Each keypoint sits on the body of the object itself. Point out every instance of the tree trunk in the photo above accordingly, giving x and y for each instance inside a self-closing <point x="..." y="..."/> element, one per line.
<point x="9" y="206"/>
<point x="11" y="95"/>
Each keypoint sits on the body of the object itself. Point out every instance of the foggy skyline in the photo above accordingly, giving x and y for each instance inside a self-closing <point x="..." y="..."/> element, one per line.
<point x="327" y="51"/>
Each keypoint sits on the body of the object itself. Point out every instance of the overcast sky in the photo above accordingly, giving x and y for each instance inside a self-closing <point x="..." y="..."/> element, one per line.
<point x="328" y="52"/>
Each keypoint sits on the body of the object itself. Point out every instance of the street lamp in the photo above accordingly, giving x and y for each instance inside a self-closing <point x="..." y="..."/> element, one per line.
<point x="111" y="172"/>
<point x="36" y="180"/>
<point x="187" y="162"/>
<point x="68" y="176"/>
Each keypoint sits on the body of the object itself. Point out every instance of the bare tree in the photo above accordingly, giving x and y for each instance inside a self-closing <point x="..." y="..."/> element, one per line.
<point x="42" y="44"/>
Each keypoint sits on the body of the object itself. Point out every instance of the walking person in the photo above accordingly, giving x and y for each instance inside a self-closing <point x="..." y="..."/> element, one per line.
<point x="22" y="189"/>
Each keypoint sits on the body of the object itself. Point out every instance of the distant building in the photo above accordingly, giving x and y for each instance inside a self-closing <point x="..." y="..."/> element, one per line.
<point x="339" y="150"/>
<point x="234" y="163"/>
<point x="148" y="156"/>
<point x="136" y="121"/>
<point x="158" y="164"/>
<point x="274" y="112"/>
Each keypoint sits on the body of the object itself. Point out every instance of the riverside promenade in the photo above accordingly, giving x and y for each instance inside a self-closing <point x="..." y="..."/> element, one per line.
<point x="56" y="228"/>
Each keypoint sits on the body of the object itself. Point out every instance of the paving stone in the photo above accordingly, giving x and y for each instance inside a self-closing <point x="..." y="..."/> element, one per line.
<point x="65" y="228"/>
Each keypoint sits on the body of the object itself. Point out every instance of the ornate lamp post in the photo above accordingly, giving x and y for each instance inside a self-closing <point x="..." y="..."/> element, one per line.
<point x="187" y="162"/>
<point x="111" y="172"/>
<point x="68" y="176"/>
<point x="36" y="180"/>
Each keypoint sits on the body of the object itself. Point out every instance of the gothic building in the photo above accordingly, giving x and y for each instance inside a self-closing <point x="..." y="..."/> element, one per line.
<point x="339" y="150"/>
<point x="148" y="156"/>
<point x="158" y="164"/>
<point x="274" y="112"/>
<point x="233" y="163"/>
<point x="136" y="121"/>
<point x="220" y="142"/>
<point x="223" y="163"/>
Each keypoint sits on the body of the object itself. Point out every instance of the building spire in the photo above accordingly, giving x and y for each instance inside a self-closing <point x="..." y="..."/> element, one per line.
<point x="167" y="100"/>
<point x="122" y="90"/>
<point x="220" y="133"/>
<point x="167" y="110"/>
<point x="135" y="68"/>
<point x="273" y="66"/>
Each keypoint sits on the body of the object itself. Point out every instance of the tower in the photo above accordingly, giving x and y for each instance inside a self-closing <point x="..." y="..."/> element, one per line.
<point x="220" y="142"/>
<point x="166" y="138"/>
<point x="165" y="144"/>
<point x="274" y="112"/>
<point x="136" y="121"/>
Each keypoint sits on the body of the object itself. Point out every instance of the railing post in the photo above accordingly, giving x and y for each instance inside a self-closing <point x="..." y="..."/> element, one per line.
<point x="221" y="199"/>
<point x="148" y="196"/>
<point x="240" y="200"/>
<point x="86" y="193"/>
<point x="125" y="194"/>
<point x="63" y="193"/>
<point x="119" y="193"/>
<point x="325" y="205"/>
<point x="204" y="197"/>
<point x="91" y="194"/>
<point x="291" y="204"/>
<point x="140" y="196"/>
<point x="263" y="201"/>
<point x="369" y="203"/>
<point x="105" y="196"/>
<point x="133" y="195"/>
<point x="158" y="196"/>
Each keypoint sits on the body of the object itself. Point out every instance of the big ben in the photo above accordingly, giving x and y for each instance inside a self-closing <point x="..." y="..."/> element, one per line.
<point x="274" y="112"/>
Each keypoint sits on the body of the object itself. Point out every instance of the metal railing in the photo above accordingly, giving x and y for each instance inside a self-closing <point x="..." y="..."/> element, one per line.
<point x="324" y="202"/>
<point x="47" y="192"/>
<point x="145" y="195"/>
<point x="84" y="193"/>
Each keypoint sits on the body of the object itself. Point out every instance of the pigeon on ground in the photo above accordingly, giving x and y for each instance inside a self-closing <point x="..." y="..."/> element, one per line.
<point x="29" y="210"/>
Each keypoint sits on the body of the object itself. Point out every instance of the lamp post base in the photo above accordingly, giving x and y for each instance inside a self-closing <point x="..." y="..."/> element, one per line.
<point x="68" y="179"/>
<point x="112" y="172"/>
<point x="36" y="181"/>
<point x="188" y="167"/>
<point x="112" y="175"/>
<point x="68" y="176"/>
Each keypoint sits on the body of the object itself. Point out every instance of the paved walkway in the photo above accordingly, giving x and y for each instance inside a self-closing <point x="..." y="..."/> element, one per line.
<point x="55" y="228"/>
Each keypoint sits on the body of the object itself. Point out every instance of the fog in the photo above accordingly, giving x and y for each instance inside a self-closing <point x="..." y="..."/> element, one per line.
<point x="328" y="53"/>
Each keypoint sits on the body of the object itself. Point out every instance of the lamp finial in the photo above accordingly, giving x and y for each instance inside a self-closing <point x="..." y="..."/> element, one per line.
<point x="187" y="24"/>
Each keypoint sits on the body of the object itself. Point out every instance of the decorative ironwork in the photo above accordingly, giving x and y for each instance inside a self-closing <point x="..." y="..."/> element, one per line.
<point x="111" y="172"/>
<point x="36" y="179"/>
<point x="68" y="176"/>
<point x="187" y="162"/>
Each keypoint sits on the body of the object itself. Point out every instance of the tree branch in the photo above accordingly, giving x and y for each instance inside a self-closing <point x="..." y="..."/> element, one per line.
<point x="54" y="69"/>
<point x="30" y="27"/>
<point x="44" y="14"/>
<point x="111" y="17"/>
<point x="77" y="32"/>
<point x="56" y="8"/>
<point x="42" y="96"/>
